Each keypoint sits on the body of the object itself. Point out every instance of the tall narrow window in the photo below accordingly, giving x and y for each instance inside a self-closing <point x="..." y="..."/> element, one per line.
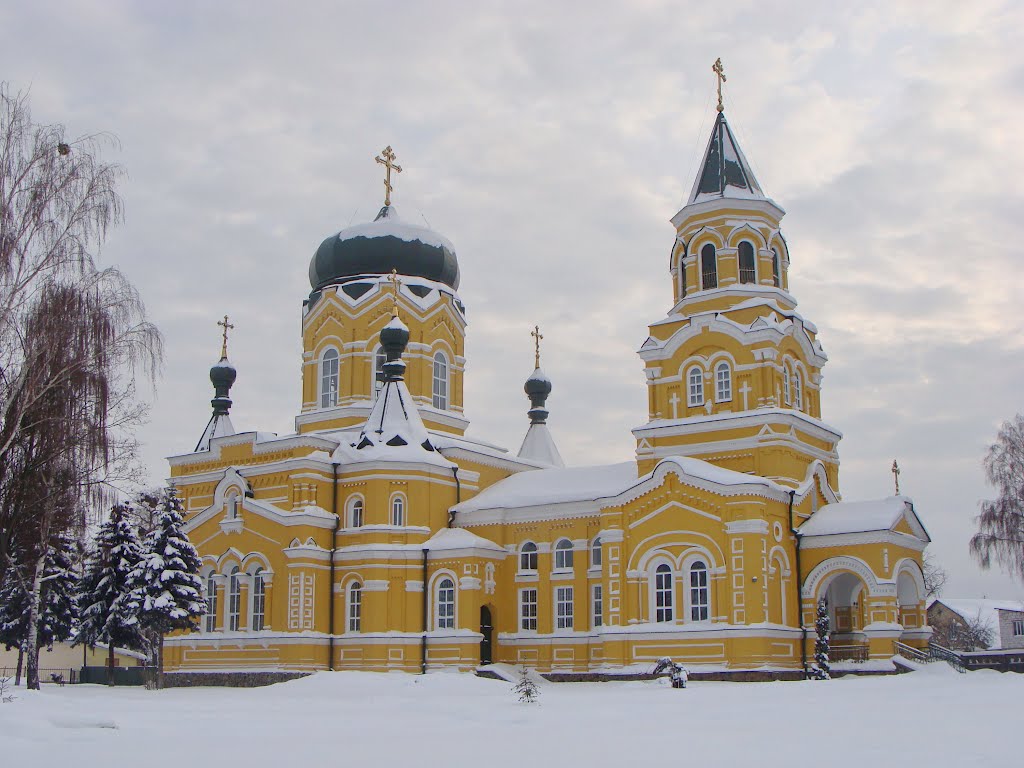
<point x="776" y="275"/>
<point x="355" y="607"/>
<point x="748" y="268"/>
<point x="563" y="555"/>
<point x="234" y="601"/>
<point x="379" y="358"/>
<point x="259" y="600"/>
<point x="597" y="606"/>
<point x="595" y="553"/>
<point x="663" y="602"/>
<point x="233" y="506"/>
<point x="723" y="383"/>
<point x="682" y="270"/>
<point x="695" y="388"/>
<point x="210" y="619"/>
<point x="563" y="608"/>
<point x="445" y="604"/>
<point x="708" y="267"/>
<point x="398" y="511"/>
<point x="786" y="388"/>
<point x="329" y="379"/>
<point x="699" y="597"/>
<point x="441" y="381"/>
<point x="528" y="557"/>
<point x="798" y="390"/>
<point x="528" y="609"/>
<point x="355" y="514"/>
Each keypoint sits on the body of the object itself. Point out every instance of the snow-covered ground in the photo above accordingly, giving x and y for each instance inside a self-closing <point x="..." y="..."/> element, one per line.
<point x="933" y="717"/>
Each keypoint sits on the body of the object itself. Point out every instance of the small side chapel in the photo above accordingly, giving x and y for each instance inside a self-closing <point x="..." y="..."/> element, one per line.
<point x="379" y="535"/>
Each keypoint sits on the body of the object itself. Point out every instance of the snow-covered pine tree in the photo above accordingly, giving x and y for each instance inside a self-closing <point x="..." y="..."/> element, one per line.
<point x="106" y="613"/>
<point x="14" y="612"/>
<point x="526" y="689"/>
<point x="166" y="592"/>
<point x="821" y="670"/>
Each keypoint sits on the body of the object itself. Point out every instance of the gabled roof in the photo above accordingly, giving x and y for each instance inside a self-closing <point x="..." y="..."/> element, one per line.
<point x="725" y="171"/>
<point x="981" y="609"/>
<point x="865" y="516"/>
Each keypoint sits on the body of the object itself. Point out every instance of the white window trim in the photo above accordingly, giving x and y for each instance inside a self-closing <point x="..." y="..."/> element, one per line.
<point x="401" y="499"/>
<point x="536" y="559"/>
<point x="787" y="376"/>
<point x="210" y="616"/>
<point x="691" y="400"/>
<point x="596" y="599"/>
<point x="257" y="577"/>
<point x="652" y="581"/>
<point x="355" y="586"/>
<point x="350" y="508"/>
<point x="556" y="603"/>
<point x="536" y="609"/>
<point x="688" y="618"/>
<point x="718" y="392"/>
<point x="436" y="397"/>
<point x="323" y="375"/>
<point x="739" y="264"/>
<point x="439" y="579"/>
<point x="565" y="552"/>
<point x="233" y="617"/>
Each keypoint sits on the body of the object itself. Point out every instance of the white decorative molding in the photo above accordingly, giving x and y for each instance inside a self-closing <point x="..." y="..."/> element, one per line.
<point x="753" y="525"/>
<point x="376" y="585"/>
<point x="469" y="583"/>
<point x="413" y="585"/>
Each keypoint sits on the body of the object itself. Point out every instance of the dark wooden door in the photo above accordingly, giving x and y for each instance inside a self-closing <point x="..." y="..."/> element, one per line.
<point x="487" y="630"/>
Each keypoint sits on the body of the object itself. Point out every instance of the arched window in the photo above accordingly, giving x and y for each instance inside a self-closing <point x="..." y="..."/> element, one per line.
<point x="723" y="383"/>
<point x="663" y="599"/>
<point x="210" y="619"/>
<point x="329" y="379"/>
<point x="708" y="267"/>
<point x="695" y="386"/>
<point x="563" y="555"/>
<point x="233" y="506"/>
<point x="776" y="275"/>
<point x="798" y="390"/>
<point x="445" y="604"/>
<point x="355" y="513"/>
<point x="595" y="553"/>
<point x="440" y="381"/>
<point x="377" y="384"/>
<point x="699" y="593"/>
<point x="234" y="601"/>
<point x="748" y="267"/>
<point x="528" y="557"/>
<point x="786" y="389"/>
<point x="259" y="600"/>
<point x="398" y="511"/>
<point x="355" y="607"/>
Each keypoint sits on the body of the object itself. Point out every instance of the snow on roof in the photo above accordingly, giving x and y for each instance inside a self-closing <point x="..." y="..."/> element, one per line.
<point x="459" y="538"/>
<point x="539" y="446"/>
<point x="857" y="516"/>
<point x="713" y="473"/>
<point x="219" y="426"/>
<point x="539" y="375"/>
<point x="554" y="486"/>
<point x="982" y="609"/>
<point x="390" y="224"/>
<point x="725" y="171"/>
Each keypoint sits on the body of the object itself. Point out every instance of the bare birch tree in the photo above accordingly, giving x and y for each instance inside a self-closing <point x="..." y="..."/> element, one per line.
<point x="1000" y="536"/>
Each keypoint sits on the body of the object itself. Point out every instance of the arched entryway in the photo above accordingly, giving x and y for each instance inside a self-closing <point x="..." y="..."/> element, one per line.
<point x="487" y="631"/>
<point x="845" y="594"/>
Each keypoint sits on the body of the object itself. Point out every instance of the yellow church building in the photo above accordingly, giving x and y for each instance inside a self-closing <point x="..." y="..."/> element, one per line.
<point x="380" y="536"/>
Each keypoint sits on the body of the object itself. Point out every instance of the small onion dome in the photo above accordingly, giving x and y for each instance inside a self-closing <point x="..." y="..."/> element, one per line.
<point x="537" y="388"/>
<point x="393" y="339"/>
<point x="378" y="247"/>
<point x="222" y="376"/>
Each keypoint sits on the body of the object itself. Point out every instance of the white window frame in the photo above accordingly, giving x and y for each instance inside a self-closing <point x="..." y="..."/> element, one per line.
<point x="445" y="619"/>
<point x="695" y="386"/>
<point x="1018" y="627"/>
<point x="663" y="593"/>
<point x="798" y="390"/>
<point x="398" y="510"/>
<point x="330" y="378"/>
<point x="232" y="505"/>
<point x="786" y="386"/>
<point x="739" y="263"/>
<point x="234" y="617"/>
<point x="210" y="617"/>
<point x="356" y="512"/>
<point x="776" y="268"/>
<point x="596" y="606"/>
<point x="354" y="607"/>
<point x="698" y="609"/>
<point x="528" y="609"/>
<point x="258" y="601"/>
<point x="596" y="554"/>
<point x="564" y="607"/>
<point x="528" y="556"/>
<point x="723" y="384"/>
<point x="704" y="273"/>
<point x="563" y="555"/>
<point x="377" y="366"/>
<point x="439" y="387"/>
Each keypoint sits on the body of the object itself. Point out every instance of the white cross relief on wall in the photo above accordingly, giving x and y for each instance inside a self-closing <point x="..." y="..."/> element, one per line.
<point x="674" y="400"/>
<point x="745" y="391"/>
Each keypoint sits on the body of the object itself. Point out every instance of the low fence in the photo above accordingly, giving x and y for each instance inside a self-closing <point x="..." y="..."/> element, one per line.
<point x="122" y="675"/>
<point x="855" y="653"/>
<point x="1002" y="661"/>
<point x="51" y="675"/>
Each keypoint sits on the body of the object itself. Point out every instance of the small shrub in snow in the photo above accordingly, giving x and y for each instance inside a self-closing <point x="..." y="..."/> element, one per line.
<point x="821" y="670"/>
<point x="526" y="689"/>
<point x="5" y="686"/>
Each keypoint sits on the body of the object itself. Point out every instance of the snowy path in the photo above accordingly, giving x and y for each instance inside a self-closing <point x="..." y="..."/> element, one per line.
<point x="934" y="717"/>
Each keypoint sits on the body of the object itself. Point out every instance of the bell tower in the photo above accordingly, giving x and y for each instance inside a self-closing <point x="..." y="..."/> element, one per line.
<point x="733" y="371"/>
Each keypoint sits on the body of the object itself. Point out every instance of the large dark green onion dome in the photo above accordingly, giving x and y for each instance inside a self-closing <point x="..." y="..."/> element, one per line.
<point x="387" y="243"/>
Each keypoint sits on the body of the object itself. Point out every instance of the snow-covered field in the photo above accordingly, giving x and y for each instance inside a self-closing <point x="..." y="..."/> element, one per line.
<point x="933" y="717"/>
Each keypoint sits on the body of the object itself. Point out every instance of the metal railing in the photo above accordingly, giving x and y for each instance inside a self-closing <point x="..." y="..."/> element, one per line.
<point x="913" y="654"/>
<point x="854" y="653"/>
<point x="56" y="675"/>
<point x="954" y="659"/>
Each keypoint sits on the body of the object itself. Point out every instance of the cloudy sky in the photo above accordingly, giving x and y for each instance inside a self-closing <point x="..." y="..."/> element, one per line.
<point x="552" y="142"/>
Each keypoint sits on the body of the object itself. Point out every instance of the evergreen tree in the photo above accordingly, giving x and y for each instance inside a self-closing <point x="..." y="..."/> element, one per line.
<point x="14" y="612"/>
<point x="821" y="669"/>
<point x="166" y="592"/>
<point x="526" y="689"/>
<point x="106" y="610"/>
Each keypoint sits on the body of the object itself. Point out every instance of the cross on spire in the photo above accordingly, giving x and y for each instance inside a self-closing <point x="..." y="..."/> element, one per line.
<point x="395" y="285"/>
<point x="388" y="161"/>
<point x="719" y="71"/>
<point x="224" y="343"/>
<point x="896" y="475"/>
<point x="537" y="336"/>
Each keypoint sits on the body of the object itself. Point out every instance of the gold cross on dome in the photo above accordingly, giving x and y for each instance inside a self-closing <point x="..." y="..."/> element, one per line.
<point x="388" y="161"/>
<point x="395" y="285"/>
<point x="224" y="343"/>
<point x="719" y="71"/>
<point x="537" y="336"/>
<point x="896" y="475"/>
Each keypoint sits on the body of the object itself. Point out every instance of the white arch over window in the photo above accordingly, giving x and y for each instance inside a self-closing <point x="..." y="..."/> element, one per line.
<point x="440" y="387"/>
<point x="355" y="512"/>
<point x="329" y="366"/>
<point x="258" y="612"/>
<point x="708" y="267"/>
<point x="528" y="556"/>
<point x="563" y="555"/>
<point x="354" y="607"/>
<point x="398" y="510"/>
<point x="234" y="600"/>
<point x="723" y="383"/>
<point x="695" y="386"/>
<point x="699" y="591"/>
<point x="663" y="593"/>
<point x="444" y="603"/>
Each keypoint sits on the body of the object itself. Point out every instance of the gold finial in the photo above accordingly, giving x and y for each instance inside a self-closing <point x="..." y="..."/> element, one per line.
<point x="395" y="285"/>
<point x="537" y="336"/>
<point x="224" y="343"/>
<point x="719" y="71"/>
<point x="896" y="475"/>
<point x="388" y="161"/>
